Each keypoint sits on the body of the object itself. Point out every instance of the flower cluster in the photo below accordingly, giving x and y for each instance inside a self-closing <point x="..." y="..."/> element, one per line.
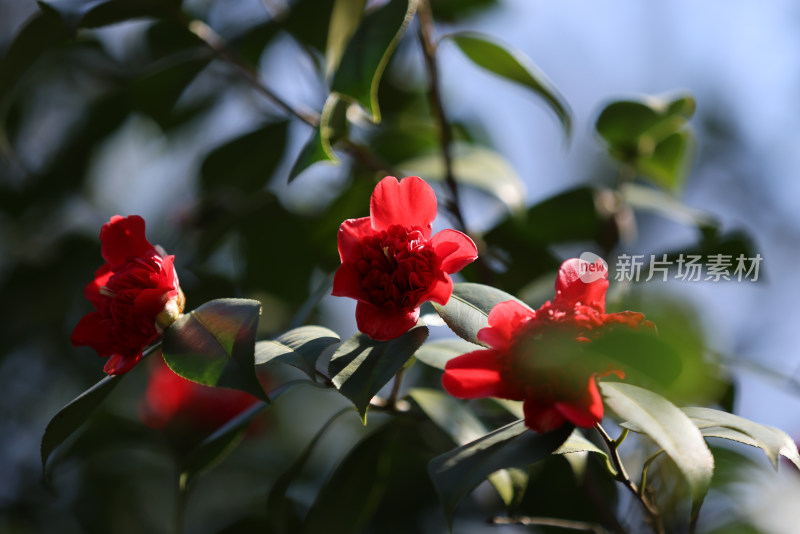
<point x="136" y="295"/>
<point x="537" y="357"/>
<point x="390" y="262"/>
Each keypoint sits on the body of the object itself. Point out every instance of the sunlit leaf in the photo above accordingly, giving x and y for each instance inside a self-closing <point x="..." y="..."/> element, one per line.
<point x="773" y="441"/>
<point x="468" y="309"/>
<point x="300" y="347"/>
<point x="515" y="66"/>
<point x="647" y="198"/>
<point x="458" y="422"/>
<point x="214" y="345"/>
<point x="577" y="445"/>
<point x="368" y="52"/>
<point x="668" y="164"/>
<point x="474" y="166"/>
<point x="457" y="472"/>
<point x="669" y="427"/>
<point x="246" y="162"/>
<point x="361" y="366"/>
<point x="345" y="17"/>
<point x="438" y="353"/>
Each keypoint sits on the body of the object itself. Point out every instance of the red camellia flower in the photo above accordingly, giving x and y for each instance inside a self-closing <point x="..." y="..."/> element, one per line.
<point x="171" y="400"/>
<point x="536" y="356"/>
<point x="390" y="262"/>
<point x="135" y="294"/>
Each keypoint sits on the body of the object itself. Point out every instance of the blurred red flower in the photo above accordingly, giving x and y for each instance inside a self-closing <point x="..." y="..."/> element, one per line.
<point x="136" y="295"/>
<point x="173" y="401"/>
<point x="390" y="262"/>
<point x="536" y="356"/>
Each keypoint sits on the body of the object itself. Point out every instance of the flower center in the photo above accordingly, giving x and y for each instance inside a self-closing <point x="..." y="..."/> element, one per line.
<point x="397" y="268"/>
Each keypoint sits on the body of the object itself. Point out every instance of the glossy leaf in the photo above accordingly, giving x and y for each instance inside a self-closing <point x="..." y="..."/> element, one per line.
<point x="300" y="347"/>
<point x="773" y="441"/>
<point x="344" y="21"/>
<point x="73" y="415"/>
<point x="456" y="473"/>
<point x="438" y="353"/>
<point x="474" y="166"/>
<point x="669" y="427"/>
<point x="458" y="422"/>
<point x="368" y="52"/>
<point x="214" y="345"/>
<point x="468" y="309"/>
<point x="668" y="164"/>
<point x="361" y="366"/>
<point x="577" y="445"/>
<point x="514" y="66"/>
<point x="247" y="162"/>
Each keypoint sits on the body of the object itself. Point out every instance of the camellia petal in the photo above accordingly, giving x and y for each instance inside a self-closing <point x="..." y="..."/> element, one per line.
<point x="410" y="203"/>
<point x="122" y="238"/>
<point x="91" y="331"/>
<point x="505" y="319"/>
<point x="351" y="232"/>
<point x="541" y="417"/>
<point x="383" y="325"/>
<point x="586" y="412"/>
<point x="475" y="374"/>
<point x="455" y="249"/>
<point x="347" y="283"/>
<point x="441" y="290"/>
<point x="571" y="290"/>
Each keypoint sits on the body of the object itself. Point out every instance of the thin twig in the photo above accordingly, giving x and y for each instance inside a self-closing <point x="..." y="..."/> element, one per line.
<point x="221" y="48"/>
<point x="426" y="32"/>
<point x="650" y="508"/>
<point x="579" y="526"/>
<point x="398" y="381"/>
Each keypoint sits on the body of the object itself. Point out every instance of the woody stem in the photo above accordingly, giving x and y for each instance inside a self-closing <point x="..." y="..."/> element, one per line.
<point x="653" y="515"/>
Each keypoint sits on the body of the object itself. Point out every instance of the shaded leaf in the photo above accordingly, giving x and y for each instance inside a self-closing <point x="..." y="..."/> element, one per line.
<point x="368" y="53"/>
<point x="475" y="166"/>
<point x="668" y="164"/>
<point x="247" y="162"/>
<point x="669" y="427"/>
<point x="95" y="13"/>
<point x="458" y="422"/>
<point x="468" y="309"/>
<point x="214" y="345"/>
<point x="277" y="500"/>
<point x="332" y="125"/>
<point x="646" y="198"/>
<point x="457" y="472"/>
<point x="638" y="351"/>
<point x="515" y="66"/>
<point x="73" y="415"/>
<point x="577" y="444"/>
<point x="217" y="446"/>
<point x="361" y="366"/>
<point x="454" y="10"/>
<point x="344" y="21"/>
<point x="300" y="347"/>
<point x="773" y="441"/>
<point x="438" y="353"/>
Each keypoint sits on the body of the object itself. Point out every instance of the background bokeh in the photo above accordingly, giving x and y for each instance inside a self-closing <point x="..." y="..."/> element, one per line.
<point x="127" y="118"/>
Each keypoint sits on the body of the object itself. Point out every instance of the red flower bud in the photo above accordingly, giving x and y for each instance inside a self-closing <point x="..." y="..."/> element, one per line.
<point x="390" y="262"/>
<point x="136" y="296"/>
<point x="536" y="356"/>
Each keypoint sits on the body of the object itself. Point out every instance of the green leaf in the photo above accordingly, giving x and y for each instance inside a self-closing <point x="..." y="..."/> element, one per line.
<point x="457" y="472"/>
<point x="647" y="198"/>
<point x="636" y="351"/>
<point x="468" y="309"/>
<point x="247" y="162"/>
<point x="368" y="52"/>
<point x="670" y="428"/>
<point x="668" y="164"/>
<point x="95" y="13"/>
<point x="361" y="366"/>
<point x="41" y="32"/>
<point x="515" y="66"/>
<point x="214" y="345"/>
<point x="773" y="441"/>
<point x="217" y="446"/>
<point x="577" y="445"/>
<point x="438" y="353"/>
<point x="345" y="17"/>
<point x="475" y="166"/>
<point x="277" y="500"/>
<point x="73" y="415"/>
<point x="332" y="125"/>
<point x="300" y="347"/>
<point x="458" y="422"/>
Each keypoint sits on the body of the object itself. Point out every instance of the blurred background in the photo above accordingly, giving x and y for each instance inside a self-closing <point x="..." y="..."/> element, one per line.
<point x="161" y="109"/>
